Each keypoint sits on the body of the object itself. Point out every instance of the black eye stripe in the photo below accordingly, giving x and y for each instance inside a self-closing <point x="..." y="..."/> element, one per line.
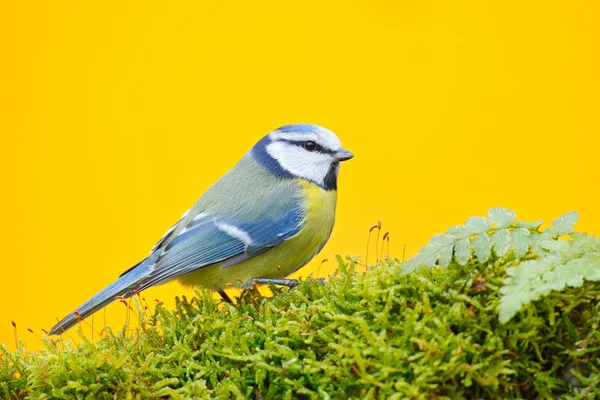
<point x="319" y="148"/>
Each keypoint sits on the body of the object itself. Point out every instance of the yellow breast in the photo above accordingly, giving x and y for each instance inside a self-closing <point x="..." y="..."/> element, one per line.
<point x="319" y="208"/>
<point x="282" y="260"/>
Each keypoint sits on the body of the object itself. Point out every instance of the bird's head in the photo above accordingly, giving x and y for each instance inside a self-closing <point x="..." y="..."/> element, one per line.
<point x="303" y="151"/>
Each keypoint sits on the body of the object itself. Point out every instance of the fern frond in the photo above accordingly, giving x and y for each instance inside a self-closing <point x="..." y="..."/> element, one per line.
<point x="560" y="264"/>
<point x="563" y="225"/>
<point x="498" y="234"/>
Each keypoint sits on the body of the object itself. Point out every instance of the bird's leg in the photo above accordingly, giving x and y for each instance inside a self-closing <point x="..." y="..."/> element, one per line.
<point x="291" y="283"/>
<point x="225" y="296"/>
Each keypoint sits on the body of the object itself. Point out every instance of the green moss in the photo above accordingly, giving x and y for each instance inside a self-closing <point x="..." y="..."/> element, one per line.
<point x="377" y="334"/>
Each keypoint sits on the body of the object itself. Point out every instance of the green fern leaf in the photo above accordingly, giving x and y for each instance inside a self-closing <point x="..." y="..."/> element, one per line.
<point x="585" y="242"/>
<point x="462" y="251"/>
<point x="536" y="238"/>
<point x="441" y="240"/>
<point x="560" y="264"/>
<point x="458" y="231"/>
<point x="529" y="225"/>
<point x="426" y="258"/>
<point x="502" y="217"/>
<point x="522" y="286"/>
<point x="553" y="245"/>
<point x="478" y="225"/>
<point x="564" y="224"/>
<point x="482" y="247"/>
<point x="446" y="254"/>
<point x="515" y="293"/>
<point x="501" y="232"/>
<point x="520" y="241"/>
<point x="588" y="266"/>
<point x="430" y="253"/>
<point x="500" y="242"/>
<point x="574" y="272"/>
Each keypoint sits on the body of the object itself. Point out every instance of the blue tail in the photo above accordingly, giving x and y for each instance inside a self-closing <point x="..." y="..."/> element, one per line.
<point x="123" y="286"/>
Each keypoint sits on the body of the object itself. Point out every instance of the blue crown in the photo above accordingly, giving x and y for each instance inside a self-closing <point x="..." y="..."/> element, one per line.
<point x="299" y="128"/>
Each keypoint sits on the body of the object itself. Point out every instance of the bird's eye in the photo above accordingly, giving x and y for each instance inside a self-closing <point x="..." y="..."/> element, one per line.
<point x="310" y="146"/>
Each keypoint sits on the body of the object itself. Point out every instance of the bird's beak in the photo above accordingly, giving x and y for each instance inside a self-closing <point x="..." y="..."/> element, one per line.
<point x="343" y="155"/>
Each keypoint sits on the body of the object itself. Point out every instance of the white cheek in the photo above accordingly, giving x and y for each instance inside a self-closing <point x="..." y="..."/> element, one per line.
<point x="313" y="166"/>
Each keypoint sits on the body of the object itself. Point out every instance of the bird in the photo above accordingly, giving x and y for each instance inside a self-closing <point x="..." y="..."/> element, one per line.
<point x="261" y="221"/>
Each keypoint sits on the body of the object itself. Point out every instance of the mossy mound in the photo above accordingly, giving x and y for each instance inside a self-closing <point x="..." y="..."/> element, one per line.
<point x="375" y="334"/>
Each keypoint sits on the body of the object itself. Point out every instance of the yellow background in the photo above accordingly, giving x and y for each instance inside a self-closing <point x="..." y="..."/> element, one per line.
<point x="115" y="116"/>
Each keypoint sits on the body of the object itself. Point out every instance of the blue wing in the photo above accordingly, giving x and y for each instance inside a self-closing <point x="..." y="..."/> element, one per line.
<point x="210" y="239"/>
<point x="236" y="219"/>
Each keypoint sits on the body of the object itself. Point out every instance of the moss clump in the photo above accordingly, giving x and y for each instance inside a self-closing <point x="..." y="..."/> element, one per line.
<point x="376" y="334"/>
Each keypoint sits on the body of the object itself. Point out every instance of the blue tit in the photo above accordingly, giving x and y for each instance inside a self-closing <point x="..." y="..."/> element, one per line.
<point x="261" y="221"/>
